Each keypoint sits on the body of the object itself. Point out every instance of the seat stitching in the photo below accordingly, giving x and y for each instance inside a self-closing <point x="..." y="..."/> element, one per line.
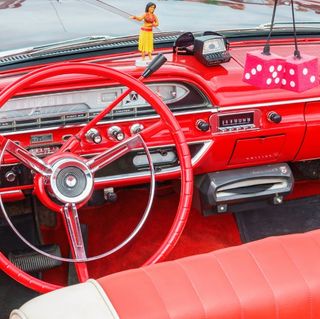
<point x="265" y="278"/>
<point x="299" y="271"/>
<point x="229" y="280"/>
<point x="156" y="289"/>
<point x="193" y="286"/>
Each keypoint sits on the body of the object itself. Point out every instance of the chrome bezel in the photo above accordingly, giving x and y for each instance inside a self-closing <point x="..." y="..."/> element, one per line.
<point x="68" y="162"/>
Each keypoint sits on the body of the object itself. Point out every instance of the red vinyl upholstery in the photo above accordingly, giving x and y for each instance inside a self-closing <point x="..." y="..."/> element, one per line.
<point x="278" y="277"/>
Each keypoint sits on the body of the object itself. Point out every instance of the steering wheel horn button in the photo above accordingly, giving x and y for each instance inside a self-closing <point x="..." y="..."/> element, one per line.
<point x="71" y="180"/>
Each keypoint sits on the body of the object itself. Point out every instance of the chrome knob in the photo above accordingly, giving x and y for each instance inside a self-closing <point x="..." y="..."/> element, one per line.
<point x="93" y="136"/>
<point x="115" y="133"/>
<point x="136" y="128"/>
<point x="10" y="176"/>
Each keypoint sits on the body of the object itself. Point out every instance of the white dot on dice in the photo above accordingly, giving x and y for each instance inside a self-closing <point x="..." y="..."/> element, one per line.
<point x="253" y="71"/>
<point x="292" y="84"/>
<point x="291" y="71"/>
<point x="277" y="80"/>
<point x="284" y="81"/>
<point x="259" y="67"/>
<point x="247" y="76"/>
<point x="312" y="79"/>
<point x="269" y="81"/>
<point x="274" y="74"/>
<point x="279" y="68"/>
<point x="305" y="71"/>
<point x="271" y="69"/>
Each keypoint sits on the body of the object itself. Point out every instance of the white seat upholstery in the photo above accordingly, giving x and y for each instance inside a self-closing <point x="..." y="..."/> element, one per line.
<point x="82" y="301"/>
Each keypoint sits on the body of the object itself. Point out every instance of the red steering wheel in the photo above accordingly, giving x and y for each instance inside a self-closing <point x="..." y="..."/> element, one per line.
<point x="66" y="168"/>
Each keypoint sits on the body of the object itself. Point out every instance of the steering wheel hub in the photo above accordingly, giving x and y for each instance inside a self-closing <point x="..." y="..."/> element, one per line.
<point x="71" y="180"/>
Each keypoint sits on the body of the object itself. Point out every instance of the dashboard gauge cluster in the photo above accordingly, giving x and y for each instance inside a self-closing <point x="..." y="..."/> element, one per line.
<point x="80" y="106"/>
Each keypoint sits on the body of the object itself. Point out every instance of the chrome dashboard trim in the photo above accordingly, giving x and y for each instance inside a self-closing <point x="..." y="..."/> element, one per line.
<point x="11" y="192"/>
<point x="270" y="104"/>
<point x="214" y="109"/>
<point x="206" y="145"/>
<point x="141" y="118"/>
<point x="194" y="161"/>
<point x="68" y="108"/>
<point x="205" y="142"/>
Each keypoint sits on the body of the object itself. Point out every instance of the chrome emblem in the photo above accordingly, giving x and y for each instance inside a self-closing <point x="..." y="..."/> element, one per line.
<point x="71" y="181"/>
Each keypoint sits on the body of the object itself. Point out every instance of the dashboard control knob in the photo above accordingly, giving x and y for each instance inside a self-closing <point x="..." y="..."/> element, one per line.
<point x="110" y="195"/>
<point x="93" y="136"/>
<point x="115" y="133"/>
<point x="274" y="117"/>
<point x="10" y="176"/>
<point x="202" y="125"/>
<point x="136" y="128"/>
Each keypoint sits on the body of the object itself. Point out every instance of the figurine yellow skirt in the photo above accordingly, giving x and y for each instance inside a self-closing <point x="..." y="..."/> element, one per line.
<point x="145" y="41"/>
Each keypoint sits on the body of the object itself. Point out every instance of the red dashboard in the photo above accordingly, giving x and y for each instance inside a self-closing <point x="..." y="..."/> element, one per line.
<point x="238" y="125"/>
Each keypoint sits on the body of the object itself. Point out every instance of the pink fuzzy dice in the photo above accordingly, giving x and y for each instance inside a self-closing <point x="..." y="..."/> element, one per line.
<point x="300" y="74"/>
<point x="263" y="71"/>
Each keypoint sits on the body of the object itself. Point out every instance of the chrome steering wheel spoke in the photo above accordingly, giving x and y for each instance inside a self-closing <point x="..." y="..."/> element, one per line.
<point x="112" y="154"/>
<point x="27" y="159"/>
<point x="73" y="228"/>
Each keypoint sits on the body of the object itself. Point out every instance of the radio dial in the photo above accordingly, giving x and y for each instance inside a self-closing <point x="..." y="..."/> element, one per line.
<point x="274" y="117"/>
<point x="202" y="125"/>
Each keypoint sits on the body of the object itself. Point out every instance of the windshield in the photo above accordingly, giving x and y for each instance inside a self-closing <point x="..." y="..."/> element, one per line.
<point x="28" y="23"/>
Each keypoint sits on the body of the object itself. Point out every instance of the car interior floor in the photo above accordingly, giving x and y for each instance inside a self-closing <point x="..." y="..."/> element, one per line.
<point x="109" y="224"/>
<point x="105" y="226"/>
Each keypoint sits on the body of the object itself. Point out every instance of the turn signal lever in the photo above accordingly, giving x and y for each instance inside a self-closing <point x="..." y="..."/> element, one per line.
<point x="154" y="65"/>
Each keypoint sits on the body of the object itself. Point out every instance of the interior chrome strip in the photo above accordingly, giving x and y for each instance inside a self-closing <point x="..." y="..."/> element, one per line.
<point x="214" y="109"/>
<point x="268" y="104"/>
<point x="11" y="192"/>
<point x="152" y="147"/>
<point x="206" y="145"/>
<point x="140" y="118"/>
<point x="194" y="161"/>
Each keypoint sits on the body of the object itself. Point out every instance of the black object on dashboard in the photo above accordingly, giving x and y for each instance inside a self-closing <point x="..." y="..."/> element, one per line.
<point x="211" y="50"/>
<point x="274" y="117"/>
<point x="155" y="64"/>
<point x="184" y="44"/>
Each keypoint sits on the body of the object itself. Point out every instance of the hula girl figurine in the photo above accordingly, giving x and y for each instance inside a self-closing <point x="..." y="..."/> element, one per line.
<point x="146" y="34"/>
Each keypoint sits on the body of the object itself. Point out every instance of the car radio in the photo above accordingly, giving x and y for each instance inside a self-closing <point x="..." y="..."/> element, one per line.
<point x="231" y="122"/>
